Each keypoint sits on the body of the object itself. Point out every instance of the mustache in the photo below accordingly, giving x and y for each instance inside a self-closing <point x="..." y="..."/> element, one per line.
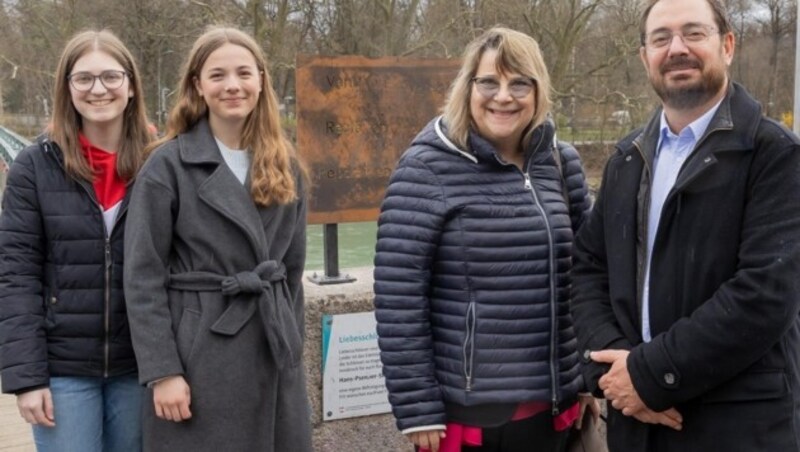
<point x="678" y="63"/>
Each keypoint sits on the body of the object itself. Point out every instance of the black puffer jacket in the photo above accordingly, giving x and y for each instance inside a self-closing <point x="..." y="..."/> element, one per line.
<point x="472" y="264"/>
<point x="62" y="312"/>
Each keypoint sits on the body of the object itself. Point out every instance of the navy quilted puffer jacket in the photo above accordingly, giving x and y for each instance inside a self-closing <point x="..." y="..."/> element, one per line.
<point x="471" y="276"/>
<point x="62" y="312"/>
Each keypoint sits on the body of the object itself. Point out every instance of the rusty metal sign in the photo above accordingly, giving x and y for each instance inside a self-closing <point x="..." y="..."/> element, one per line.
<point x="355" y="117"/>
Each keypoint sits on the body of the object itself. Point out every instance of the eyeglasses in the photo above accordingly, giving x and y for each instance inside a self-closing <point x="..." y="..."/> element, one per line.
<point x="694" y="34"/>
<point x="84" y="81"/>
<point x="518" y="87"/>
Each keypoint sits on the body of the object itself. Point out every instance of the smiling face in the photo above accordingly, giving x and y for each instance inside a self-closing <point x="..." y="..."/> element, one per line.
<point x="686" y="74"/>
<point x="501" y="119"/>
<point x="230" y="84"/>
<point x="100" y="106"/>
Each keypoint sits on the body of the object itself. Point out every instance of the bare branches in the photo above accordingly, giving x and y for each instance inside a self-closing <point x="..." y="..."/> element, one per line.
<point x="590" y="46"/>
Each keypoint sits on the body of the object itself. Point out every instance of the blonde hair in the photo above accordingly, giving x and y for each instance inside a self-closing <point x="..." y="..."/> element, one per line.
<point x="66" y="121"/>
<point x="274" y="158"/>
<point x="516" y="52"/>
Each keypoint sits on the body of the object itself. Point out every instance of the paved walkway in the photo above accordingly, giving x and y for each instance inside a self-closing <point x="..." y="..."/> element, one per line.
<point x="15" y="434"/>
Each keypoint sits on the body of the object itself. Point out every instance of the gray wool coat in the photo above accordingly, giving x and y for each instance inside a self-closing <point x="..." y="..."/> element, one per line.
<point x="214" y="293"/>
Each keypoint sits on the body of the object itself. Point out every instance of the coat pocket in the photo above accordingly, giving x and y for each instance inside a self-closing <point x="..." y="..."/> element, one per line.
<point x="750" y="386"/>
<point x="468" y="347"/>
<point x="187" y="333"/>
<point x="50" y="302"/>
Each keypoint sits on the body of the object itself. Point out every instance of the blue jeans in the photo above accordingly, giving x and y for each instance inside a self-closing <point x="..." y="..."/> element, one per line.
<point x="93" y="414"/>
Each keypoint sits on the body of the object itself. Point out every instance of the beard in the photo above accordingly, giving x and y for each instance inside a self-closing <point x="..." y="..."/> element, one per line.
<point x="688" y="96"/>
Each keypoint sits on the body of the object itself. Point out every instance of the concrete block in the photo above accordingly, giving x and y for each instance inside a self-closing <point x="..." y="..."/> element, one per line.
<point x="376" y="433"/>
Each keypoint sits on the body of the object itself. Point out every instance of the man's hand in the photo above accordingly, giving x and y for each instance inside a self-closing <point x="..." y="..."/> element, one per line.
<point x="618" y="389"/>
<point x="616" y="383"/>
<point x="427" y="439"/>
<point x="36" y="407"/>
<point x="670" y="418"/>
<point x="172" y="397"/>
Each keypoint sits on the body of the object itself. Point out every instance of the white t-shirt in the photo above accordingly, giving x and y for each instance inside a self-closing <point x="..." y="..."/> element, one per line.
<point x="238" y="160"/>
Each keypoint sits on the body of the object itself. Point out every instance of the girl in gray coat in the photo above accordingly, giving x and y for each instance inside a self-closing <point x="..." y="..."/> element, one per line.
<point x="215" y="259"/>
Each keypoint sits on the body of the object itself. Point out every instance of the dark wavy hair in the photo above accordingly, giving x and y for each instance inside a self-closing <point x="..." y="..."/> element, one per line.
<point x="717" y="6"/>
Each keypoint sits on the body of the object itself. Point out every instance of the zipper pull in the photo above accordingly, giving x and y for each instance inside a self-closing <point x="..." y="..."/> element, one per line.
<point x="108" y="253"/>
<point x="469" y="384"/>
<point x="555" y="406"/>
<point x="527" y="181"/>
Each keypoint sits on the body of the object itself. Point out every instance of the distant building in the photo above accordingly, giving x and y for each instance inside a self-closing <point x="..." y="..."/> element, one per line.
<point x="620" y="117"/>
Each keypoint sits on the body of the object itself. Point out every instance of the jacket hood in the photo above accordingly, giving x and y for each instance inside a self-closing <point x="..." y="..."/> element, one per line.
<point x="435" y="135"/>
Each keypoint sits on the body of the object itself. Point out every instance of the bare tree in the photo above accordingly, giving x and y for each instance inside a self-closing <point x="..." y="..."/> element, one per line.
<point x="590" y="46"/>
<point x="777" y="26"/>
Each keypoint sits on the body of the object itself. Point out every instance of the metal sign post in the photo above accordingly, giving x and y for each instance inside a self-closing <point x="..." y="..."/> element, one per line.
<point x="330" y="251"/>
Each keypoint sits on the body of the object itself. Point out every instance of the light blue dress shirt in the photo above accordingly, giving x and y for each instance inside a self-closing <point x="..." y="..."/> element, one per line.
<point x="671" y="152"/>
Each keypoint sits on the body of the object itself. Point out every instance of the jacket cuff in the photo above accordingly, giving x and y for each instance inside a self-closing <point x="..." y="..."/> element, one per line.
<point x="591" y="370"/>
<point x="424" y="428"/>
<point x="29" y="389"/>
<point x="654" y="376"/>
<point x="152" y="383"/>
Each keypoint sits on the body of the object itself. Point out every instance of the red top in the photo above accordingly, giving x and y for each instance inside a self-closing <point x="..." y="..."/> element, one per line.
<point x="109" y="188"/>
<point x="457" y="435"/>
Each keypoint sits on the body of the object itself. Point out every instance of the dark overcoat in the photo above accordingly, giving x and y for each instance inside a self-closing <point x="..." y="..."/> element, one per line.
<point x="724" y="287"/>
<point x="209" y="300"/>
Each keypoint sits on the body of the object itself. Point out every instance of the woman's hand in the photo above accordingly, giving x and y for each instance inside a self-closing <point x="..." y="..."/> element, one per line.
<point x="427" y="439"/>
<point x="172" y="397"/>
<point x="36" y="407"/>
<point x="587" y="401"/>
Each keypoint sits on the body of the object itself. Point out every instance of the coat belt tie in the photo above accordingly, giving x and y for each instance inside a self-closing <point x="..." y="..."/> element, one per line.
<point x="252" y="291"/>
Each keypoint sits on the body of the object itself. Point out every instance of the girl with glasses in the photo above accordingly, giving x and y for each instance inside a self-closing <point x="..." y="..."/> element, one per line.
<point x="472" y="262"/>
<point x="65" y="346"/>
<point x="215" y="256"/>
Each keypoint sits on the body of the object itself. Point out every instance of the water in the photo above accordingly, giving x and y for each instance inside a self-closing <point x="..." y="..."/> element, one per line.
<point x="356" y="245"/>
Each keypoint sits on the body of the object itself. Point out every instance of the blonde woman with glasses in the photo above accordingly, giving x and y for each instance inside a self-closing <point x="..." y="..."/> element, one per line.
<point x="473" y="254"/>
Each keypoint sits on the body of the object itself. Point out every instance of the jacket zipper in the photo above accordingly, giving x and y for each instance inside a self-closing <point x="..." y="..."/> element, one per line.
<point x="469" y="345"/>
<point x="107" y="315"/>
<point x="107" y="264"/>
<point x="553" y="305"/>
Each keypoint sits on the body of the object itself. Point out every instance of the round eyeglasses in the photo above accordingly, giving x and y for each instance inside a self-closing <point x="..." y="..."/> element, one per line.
<point x="517" y="87"/>
<point x="84" y="81"/>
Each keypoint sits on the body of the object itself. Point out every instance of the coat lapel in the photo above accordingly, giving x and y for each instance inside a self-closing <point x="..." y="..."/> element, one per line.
<point x="221" y="190"/>
<point x="746" y="117"/>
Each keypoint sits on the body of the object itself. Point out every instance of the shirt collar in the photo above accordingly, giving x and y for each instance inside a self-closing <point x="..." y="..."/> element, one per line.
<point x="696" y="128"/>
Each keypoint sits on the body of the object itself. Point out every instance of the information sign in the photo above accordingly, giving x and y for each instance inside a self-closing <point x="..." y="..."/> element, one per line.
<point x="352" y="380"/>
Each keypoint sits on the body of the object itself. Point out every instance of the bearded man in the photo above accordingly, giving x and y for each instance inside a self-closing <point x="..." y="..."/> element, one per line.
<point x="686" y="281"/>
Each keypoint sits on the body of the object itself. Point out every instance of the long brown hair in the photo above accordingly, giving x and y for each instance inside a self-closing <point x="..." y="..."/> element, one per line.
<point x="516" y="52"/>
<point x="66" y="122"/>
<point x="274" y="158"/>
